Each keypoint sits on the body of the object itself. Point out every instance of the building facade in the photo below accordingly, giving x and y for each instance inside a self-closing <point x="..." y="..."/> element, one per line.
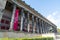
<point x="16" y="15"/>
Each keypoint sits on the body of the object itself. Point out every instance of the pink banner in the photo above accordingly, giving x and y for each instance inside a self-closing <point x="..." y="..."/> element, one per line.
<point x="15" y="26"/>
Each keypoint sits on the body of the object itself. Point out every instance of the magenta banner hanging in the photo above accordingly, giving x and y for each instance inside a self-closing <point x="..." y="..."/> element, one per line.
<point x="15" y="26"/>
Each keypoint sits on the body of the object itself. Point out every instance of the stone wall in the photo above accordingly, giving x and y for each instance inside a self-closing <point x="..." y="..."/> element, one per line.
<point x="18" y="34"/>
<point x="24" y="35"/>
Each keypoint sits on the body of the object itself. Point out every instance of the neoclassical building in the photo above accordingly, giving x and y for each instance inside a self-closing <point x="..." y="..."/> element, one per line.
<point x="16" y="15"/>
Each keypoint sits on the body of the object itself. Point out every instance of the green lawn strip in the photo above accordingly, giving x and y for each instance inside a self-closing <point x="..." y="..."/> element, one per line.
<point x="45" y="38"/>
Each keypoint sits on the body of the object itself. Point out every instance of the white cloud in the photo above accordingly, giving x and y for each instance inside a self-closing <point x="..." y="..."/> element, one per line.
<point x="54" y="13"/>
<point x="55" y="18"/>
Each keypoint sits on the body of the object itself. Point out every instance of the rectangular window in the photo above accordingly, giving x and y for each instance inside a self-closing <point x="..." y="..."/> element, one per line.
<point x="3" y="27"/>
<point x="2" y="21"/>
<point x="7" y="22"/>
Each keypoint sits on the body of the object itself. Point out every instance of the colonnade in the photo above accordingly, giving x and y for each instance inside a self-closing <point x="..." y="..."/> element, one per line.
<point x="37" y="25"/>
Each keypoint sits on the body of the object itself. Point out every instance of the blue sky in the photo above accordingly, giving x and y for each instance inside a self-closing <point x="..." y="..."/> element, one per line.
<point x="48" y="8"/>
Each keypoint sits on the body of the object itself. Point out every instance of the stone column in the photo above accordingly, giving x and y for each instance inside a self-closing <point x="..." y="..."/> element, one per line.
<point x="48" y="28"/>
<point x="28" y="22"/>
<point x="12" y="20"/>
<point x="42" y="27"/>
<point x="33" y="23"/>
<point x="45" y="26"/>
<point x="1" y="14"/>
<point x="37" y="25"/>
<point x="22" y="18"/>
<point x="40" y="31"/>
